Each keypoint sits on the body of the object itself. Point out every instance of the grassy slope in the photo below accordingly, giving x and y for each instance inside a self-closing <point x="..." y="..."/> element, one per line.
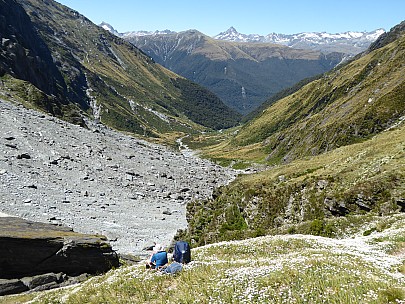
<point x="346" y="106"/>
<point x="353" y="179"/>
<point x="279" y="269"/>
<point x="135" y="94"/>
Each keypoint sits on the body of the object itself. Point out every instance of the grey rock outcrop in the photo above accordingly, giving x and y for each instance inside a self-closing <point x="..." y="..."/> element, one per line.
<point x="31" y="248"/>
<point x="23" y="53"/>
<point x="39" y="282"/>
<point x="12" y="286"/>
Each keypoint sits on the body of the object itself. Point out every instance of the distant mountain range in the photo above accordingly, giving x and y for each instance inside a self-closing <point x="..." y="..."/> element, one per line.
<point x="347" y="42"/>
<point x="243" y="75"/>
<point x="350" y="42"/>
<point x="111" y="29"/>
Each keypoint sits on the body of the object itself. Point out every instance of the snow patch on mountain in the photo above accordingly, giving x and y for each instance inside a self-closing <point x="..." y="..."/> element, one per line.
<point x="233" y="35"/>
<point x="352" y="41"/>
<point x="147" y="33"/>
<point x="110" y="28"/>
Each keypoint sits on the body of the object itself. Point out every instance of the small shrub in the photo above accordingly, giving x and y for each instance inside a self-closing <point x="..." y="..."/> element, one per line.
<point x="369" y="231"/>
<point x="392" y="295"/>
<point x="320" y="228"/>
<point x="401" y="268"/>
<point x="292" y="230"/>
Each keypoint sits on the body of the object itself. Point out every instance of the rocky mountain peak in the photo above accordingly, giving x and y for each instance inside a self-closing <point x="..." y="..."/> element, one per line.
<point x="231" y="31"/>
<point x="232" y="34"/>
<point x="350" y="42"/>
<point x="387" y="37"/>
<point x="110" y="28"/>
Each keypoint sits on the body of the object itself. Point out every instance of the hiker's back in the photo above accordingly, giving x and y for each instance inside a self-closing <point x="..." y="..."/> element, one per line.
<point x="182" y="252"/>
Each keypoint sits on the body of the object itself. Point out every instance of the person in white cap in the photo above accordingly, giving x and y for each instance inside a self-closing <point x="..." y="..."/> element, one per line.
<point x="159" y="258"/>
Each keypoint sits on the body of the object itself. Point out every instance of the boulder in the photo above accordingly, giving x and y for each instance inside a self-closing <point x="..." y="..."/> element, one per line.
<point x="31" y="248"/>
<point x="401" y="204"/>
<point x="335" y="208"/>
<point x="46" y="279"/>
<point x="8" y="287"/>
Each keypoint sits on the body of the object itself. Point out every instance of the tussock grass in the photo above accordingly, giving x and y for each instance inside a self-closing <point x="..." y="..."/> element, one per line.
<point x="269" y="269"/>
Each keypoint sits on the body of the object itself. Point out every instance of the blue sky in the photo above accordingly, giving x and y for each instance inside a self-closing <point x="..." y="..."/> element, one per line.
<point x="249" y="17"/>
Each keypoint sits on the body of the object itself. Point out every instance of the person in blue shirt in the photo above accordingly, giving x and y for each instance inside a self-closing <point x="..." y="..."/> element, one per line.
<point x="158" y="258"/>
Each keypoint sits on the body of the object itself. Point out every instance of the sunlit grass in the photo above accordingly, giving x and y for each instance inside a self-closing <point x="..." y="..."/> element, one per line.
<point x="270" y="269"/>
<point x="365" y="95"/>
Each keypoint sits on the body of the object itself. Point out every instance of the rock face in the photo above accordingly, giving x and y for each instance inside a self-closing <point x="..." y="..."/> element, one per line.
<point x="31" y="248"/>
<point x="23" y="53"/>
<point x="12" y="286"/>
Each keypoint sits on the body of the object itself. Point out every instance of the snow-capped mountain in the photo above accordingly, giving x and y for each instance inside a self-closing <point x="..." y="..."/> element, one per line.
<point x="146" y="33"/>
<point x="350" y="43"/>
<point x="233" y="35"/>
<point x="109" y="28"/>
<point x="347" y="42"/>
<point x="112" y="30"/>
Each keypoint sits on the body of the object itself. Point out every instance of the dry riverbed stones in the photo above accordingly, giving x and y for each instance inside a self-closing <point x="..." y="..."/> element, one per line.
<point x="97" y="180"/>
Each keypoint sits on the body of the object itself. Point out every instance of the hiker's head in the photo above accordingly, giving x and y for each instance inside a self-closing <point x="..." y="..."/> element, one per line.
<point x="158" y="247"/>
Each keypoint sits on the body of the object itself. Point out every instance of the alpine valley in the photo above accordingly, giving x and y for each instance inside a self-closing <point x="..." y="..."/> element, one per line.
<point x="245" y="70"/>
<point x="335" y="147"/>
<point x="301" y="201"/>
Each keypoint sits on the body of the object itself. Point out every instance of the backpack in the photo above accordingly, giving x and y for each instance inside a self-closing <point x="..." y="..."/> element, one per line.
<point x="173" y="268"/>
<point x="182" y="253"/>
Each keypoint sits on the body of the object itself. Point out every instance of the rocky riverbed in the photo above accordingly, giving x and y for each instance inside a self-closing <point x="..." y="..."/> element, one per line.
<point x="98" y="180"/>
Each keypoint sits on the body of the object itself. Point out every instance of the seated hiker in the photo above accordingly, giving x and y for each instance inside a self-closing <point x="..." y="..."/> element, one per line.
<point x="158" y="258"/>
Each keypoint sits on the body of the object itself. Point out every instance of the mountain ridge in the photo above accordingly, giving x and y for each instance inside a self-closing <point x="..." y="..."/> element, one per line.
<point x="243" y="75"/>
<point x="99" y="76"/>
<point x="349" y="42"/>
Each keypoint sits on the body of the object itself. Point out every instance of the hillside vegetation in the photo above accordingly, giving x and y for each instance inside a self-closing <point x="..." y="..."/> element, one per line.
<point x="356" y="179"/>
<point x="95" y="74"/>
<point x="333" y="148"/>
<point x="271" y="269"/>
<point x="348" y="105"/>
